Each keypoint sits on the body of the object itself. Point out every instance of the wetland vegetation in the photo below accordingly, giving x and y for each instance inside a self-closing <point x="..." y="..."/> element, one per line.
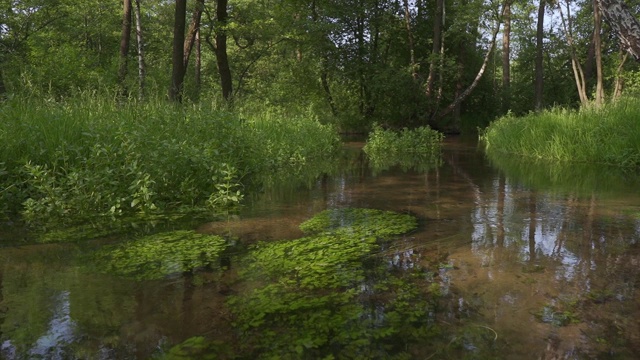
<point x="200" y="195"/>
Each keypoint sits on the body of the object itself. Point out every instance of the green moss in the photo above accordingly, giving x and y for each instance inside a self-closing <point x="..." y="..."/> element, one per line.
<point x="367" y="222"/>
<point x="156" y="256"/>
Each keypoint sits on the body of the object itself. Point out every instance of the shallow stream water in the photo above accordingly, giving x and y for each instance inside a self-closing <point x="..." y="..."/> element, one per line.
<point x="531" y="261"/>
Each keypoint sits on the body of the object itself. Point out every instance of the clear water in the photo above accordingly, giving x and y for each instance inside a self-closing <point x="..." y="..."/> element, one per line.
<point x="533" y="262"/>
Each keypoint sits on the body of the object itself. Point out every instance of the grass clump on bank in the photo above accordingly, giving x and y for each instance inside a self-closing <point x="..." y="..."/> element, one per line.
<point x="610" y="135"/>
<point x="88" y="156"/>
<point x="417" y="148"/>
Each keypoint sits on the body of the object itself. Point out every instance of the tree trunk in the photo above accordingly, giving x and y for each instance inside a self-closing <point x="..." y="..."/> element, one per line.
<point x="438" y="23"/>
<point x="125" y="39"/>
<point x="141" y="66"/>
<point x="578" y="73"/>
<point x="194" y="27"/>
<point x="619" y="84"/>
<point x="476" y="81"/>
<point x="597" y="20"/>
<point x="539" y="76"/>
<point x="198" y="64"/>
<point x="3" y="89"/>
<point x="412" y="52"/>
<point x="623" y="23"/>
<point x="506" y="58"/>
<point x="222" y="59"/>
<point x="178" y="70"/>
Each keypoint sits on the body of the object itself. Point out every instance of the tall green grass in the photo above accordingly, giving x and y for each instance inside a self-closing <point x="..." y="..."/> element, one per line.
<point x="91" y="155"/>
<point x="609" y="135"/>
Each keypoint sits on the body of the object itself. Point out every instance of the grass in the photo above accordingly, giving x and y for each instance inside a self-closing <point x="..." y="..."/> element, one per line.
<point x="92" y="156"/>
<point x="610" y="135"/>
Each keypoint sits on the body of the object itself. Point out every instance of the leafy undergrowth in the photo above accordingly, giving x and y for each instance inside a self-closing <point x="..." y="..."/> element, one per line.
<point x="87" y="157"/>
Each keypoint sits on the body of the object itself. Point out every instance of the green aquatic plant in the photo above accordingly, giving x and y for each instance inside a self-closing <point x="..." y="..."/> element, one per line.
<point x="197" y="347"/>
<point x="417" y="149"/>
<point x="331" y="295"/>
<point x="157" y="256"/>
<point x="368" y="222"/>
<point x="558" y="315"/>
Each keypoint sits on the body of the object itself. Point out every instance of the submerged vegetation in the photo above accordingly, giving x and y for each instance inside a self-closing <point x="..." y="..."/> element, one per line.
<point x="608" y="135"/>
<point x="330" y="295"/>
<point x="90" y="157"/>
<point x="157" y="256"/>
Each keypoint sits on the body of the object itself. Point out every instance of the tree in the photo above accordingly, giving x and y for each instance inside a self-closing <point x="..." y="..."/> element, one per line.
<point x="539" y="77"/>
<point x="506" y="61"/>
<point x="124" y="45"/>
<point x="463" y="95"/>
<point x="178" y="69"/>
<point x="219" y="47"/>
<point x="578" y="72"/>
<point x="626" y="26"/>
<point x="140" y="48"/>
<point x="597" y="43"/>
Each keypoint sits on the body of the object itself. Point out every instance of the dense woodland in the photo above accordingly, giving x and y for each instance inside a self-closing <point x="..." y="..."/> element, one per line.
<point x="452" y="64"/>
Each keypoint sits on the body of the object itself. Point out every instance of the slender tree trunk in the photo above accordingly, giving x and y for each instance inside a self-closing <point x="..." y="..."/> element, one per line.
<point x="3" y="89"/>
<point x="222" y="59"/>
<point x="619" y="84"/>
<point x="476" y="80"/>
<point x="539" y="77"/>
<point x="623" y="23"/>
<point x="412" y="51"/>
<point x="597" y="19"/>
<point x="125" y="39"/>
<point x="578" y="73"/>
<point x="141" y="66"/>
<point x="194" y="27"/>
<point x="438" y="23"/>
<point x="506" y="58"/>
<point x="198" y="64"/>
<point x="178" y="70"/>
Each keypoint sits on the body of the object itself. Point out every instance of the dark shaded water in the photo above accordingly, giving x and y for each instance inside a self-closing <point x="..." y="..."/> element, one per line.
<point x="532" y="262"/>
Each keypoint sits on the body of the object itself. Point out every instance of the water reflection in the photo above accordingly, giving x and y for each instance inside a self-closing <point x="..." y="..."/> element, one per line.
<point x="533" y="261"/>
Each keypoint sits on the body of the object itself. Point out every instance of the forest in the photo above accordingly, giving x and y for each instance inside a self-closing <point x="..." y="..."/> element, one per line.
<point x="229" y="91"/>
<point x="453" y="65"/>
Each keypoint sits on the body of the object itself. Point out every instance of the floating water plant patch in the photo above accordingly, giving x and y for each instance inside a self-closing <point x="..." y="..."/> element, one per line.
<point x="159" y="255"/>
<point x="368" y="222"/>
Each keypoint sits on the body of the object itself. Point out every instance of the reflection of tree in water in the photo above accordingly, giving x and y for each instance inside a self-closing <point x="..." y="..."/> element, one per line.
<point x="573" y="249"/>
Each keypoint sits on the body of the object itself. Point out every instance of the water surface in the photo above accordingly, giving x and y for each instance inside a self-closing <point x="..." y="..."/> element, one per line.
<point x="530" y="260"/>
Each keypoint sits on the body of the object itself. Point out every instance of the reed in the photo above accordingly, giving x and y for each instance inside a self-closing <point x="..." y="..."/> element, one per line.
<point x="609" y="135"/>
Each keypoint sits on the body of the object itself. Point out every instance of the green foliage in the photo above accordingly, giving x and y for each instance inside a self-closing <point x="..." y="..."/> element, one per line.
<point x="87" y="156"/>
<point x="360" y="222"/>
<point x="157" y="256"/>
<point x="193" y="348"/>
<point x="416" y="148"/>
<point x="599" y="136"/>
<point x="314" y="296"/>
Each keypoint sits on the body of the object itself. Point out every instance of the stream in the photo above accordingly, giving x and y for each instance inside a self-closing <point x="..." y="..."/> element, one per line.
<point x="510" y="259"/>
